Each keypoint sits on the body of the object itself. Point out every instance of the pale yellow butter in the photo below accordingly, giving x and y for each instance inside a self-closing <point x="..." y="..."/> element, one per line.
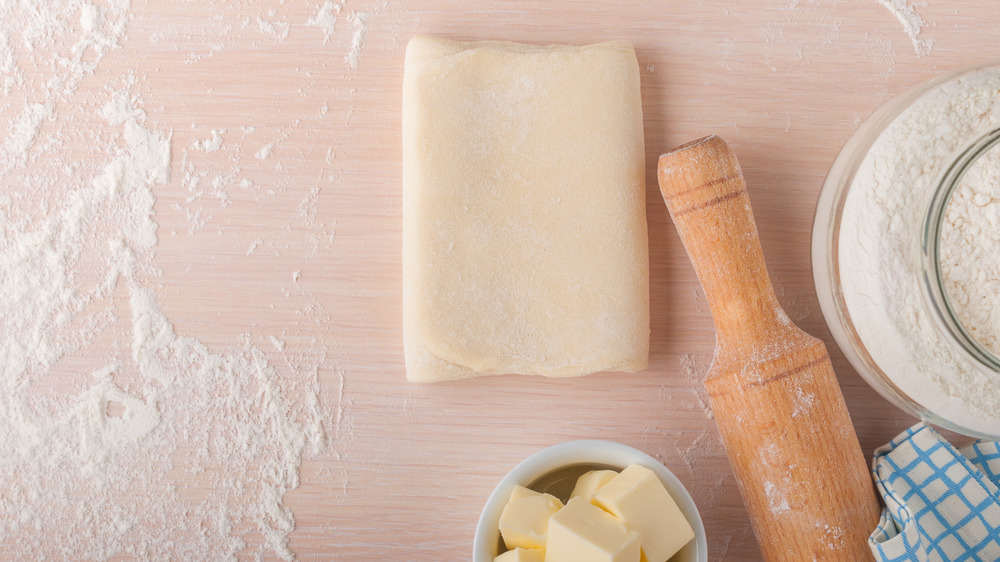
<point x="525" y="518"/>
<point x="637" y="497"/>
<point x="582" y="532"/>
<point x="522" y="555"/>
<point x="589" y="482"/>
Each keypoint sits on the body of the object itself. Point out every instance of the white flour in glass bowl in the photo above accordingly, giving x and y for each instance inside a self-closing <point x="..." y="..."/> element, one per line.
<point x="879" y="260"/>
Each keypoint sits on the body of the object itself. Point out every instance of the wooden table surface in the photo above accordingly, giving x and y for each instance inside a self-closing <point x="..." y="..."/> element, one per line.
<point x="312" y="256"/>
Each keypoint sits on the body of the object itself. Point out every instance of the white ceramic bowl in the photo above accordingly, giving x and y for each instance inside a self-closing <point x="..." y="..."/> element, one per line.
<point x="558" y="466"/>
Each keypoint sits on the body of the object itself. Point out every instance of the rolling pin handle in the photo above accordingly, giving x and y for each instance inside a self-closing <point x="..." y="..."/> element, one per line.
<point x="702" y="184"/>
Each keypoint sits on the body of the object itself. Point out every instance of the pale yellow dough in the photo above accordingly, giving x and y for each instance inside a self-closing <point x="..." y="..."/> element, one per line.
<point x="524" y="219"/>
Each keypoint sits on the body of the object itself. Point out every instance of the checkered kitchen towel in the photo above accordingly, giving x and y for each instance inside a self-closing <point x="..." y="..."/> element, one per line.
<point x="942" y="503"/>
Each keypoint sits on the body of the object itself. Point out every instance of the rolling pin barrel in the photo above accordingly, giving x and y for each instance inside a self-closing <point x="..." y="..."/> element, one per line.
<point x="774" y="394"/>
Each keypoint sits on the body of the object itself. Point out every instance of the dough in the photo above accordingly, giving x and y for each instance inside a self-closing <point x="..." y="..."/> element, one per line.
<point x="524" y="220"/>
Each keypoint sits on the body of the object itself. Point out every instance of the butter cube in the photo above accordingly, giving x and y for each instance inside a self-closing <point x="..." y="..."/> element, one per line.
<point x="525" y="518"/>
<point x="522" y="555"/>
<point x="589" y="482"/>
<point x="638" y="498"/>
<point x="583" y="532"/>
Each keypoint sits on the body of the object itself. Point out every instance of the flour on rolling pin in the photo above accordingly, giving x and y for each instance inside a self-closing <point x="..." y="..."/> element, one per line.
<point x="774" y="395"/>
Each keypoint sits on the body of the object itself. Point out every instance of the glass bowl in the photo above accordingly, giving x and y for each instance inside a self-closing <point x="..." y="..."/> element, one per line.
<point x="881" y="368"/>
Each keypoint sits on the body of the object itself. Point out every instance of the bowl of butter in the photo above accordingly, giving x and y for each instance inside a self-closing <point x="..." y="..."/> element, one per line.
<point x="590" y="500"/>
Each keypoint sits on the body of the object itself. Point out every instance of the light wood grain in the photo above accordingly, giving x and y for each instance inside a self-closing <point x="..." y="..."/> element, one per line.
<point x="408" y="467"/>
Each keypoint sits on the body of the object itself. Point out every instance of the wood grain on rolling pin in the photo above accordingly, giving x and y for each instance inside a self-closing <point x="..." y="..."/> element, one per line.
<point x="775" y="396"/>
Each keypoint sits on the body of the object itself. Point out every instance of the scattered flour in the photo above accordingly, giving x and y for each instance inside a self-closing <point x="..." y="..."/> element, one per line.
<point x="279" y="30"/>
<point x="10" y="72"/>
<point x="210" y="145"/>
<point x="254" y="245"/>
<point x="90" y="17"/>
<point x="326" y="19"/>
<point x="92" y="32"/>
<point x="360" y="22"/>
<point x="278" y="344"/>
<point x="694" y="372"/>
<point x="880" y="268"/>
<point x="121" y="107"/>
<point x="25" y="130"/>
<point x="777" y="501"/>
<point x="169" y="414"/>
<point x="913" y="24"/>
<point x="265" y="151"/>
<point x="121" y="436"/>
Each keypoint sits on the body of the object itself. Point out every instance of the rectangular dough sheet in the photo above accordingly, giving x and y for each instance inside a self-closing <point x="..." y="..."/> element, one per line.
<point x="524" y="219"/>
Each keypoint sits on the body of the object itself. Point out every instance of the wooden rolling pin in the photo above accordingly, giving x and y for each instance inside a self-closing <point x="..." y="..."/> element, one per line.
<point x="774" y="394"/>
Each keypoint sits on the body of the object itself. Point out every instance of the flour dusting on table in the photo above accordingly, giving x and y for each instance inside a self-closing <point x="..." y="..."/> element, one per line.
<point x="905" y="11"/>
<point x="360" y="22"/>
<point x="122" y="436"/>
<point x="326" y="19"/>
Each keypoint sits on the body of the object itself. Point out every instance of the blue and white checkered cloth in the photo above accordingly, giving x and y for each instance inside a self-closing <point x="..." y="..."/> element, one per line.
<point x="942" y="503"/>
